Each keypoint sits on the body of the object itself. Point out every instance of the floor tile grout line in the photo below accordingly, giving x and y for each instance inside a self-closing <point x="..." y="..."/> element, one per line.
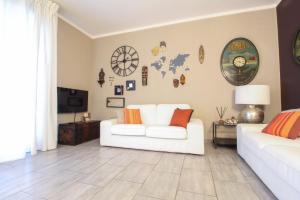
<point x="178" y="184"/>
<point x="212" y="176"/>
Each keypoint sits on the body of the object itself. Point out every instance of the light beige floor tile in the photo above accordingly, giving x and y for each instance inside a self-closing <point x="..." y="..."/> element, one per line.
<point x="245" y="169"/>
<point x="89" y="165"/>
<point x="53" y="185"/>
<point x="234" y="191"/>
<point x="136" y="172"/>
<point x="226" y="159"/>
<point x="149" y="157"/>
<point x="110" y="153"/>
<point x="102" y="176"/>
<point x="16" y="185"/>
<point x="193" y="196"/>
<point x="260" y="189"/>
<point x="118" y="190"/>
<point x="168" y="163"/>
<point x="76" y="191"/>
<point x="141" y="197"/>
<point x="160" y="185"/>
<point x="223" y="172"/>
<point x="22" y="196"/>
<point x="122" y="159"/>
<point x="197" y="181"/>
<point x="196" y="163"/>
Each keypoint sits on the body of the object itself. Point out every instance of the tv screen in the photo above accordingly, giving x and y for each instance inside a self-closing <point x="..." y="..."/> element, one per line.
<point x="71" y="100"/>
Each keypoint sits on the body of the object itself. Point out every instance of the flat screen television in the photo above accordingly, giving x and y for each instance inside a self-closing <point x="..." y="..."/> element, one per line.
<point x="71" y="100"/>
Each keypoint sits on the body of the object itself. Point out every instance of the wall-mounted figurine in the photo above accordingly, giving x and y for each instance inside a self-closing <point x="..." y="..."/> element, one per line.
<point x="144" y="75"/>
<point x="182" y="79"/>
<point x="101" y="80"/>
<point x="201" y="54"/>
<point x="175" y="83"/>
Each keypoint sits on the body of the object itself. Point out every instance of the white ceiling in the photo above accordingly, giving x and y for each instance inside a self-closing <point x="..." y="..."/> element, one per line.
<point x="98" y="18"/>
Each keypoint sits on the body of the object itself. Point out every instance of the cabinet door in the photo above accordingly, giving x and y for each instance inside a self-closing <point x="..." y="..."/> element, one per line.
<point x="85" y="132"/>
<point x="66" y="135"/>
<point x="94" y="130"/>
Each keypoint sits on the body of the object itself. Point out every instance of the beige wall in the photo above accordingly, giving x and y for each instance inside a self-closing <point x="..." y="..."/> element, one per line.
<point x="206" y="88"/>
<point x="74" y="62"/>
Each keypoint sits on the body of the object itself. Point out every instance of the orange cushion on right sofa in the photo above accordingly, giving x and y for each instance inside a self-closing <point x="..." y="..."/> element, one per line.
<point x="285" y="124"/>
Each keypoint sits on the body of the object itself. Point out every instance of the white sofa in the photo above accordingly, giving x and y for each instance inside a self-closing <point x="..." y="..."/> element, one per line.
<point x="275" y="160"/>
<point x="155" y="132"/>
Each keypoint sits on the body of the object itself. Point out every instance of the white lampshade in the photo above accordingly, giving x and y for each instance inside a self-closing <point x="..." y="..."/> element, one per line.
<point x="252" y="94"/>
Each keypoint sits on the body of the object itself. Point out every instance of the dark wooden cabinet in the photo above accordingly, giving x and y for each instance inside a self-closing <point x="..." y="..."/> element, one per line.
<point x="78" y="132"/>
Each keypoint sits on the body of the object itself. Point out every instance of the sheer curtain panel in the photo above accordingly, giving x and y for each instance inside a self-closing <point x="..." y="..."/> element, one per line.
<point x="28" y="80"/>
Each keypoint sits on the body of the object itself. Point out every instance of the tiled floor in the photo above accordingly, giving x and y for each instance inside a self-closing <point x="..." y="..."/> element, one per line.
<point x="89" y="171"/>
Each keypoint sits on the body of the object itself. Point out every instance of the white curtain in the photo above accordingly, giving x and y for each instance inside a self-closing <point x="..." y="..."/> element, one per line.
<point x="28" y="70"/>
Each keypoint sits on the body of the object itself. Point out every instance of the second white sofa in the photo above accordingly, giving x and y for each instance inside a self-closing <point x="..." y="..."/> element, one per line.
<point x="275" y="160"/>
<point x="155" y="132"/>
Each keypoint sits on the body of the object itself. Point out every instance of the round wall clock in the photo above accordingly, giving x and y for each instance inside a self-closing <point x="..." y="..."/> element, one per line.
<point x="239" y="61"/>
<point x="124" y="61"/>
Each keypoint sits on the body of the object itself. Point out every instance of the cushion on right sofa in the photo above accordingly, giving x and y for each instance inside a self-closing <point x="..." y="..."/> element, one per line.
<point x="285" y="124"/>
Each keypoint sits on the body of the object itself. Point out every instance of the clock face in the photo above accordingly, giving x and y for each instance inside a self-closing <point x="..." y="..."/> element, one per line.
<point x="239" y="61"/>
<point x="124" y="61"/>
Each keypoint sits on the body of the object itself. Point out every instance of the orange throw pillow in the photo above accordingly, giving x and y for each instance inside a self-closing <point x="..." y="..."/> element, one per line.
<point x="132" y="116"/>
<point x="286" y="124"/>
<point x="181" y="117"/>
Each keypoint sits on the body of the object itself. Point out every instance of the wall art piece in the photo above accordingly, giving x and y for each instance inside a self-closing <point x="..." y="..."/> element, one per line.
<point x="119" y="89"/>
<point x="155" y="51"/>
<point x="164" y="65"/>
<point x="111" y="79"/>
<point x="239" y="61"/>
<point x="130" y="85"/>
<point x="297" y="48"/>
<point x="177" y="62"/>
<point x="115" y="102"/>
<point x="101" y="80"/>
<point x="175" y="83"/>
<point x="201" y="54"/>
<point x="163" y="46"/>
<point x="124" y="61"/>
<point x="144" y="76"/>
<point x="182" y="79"/>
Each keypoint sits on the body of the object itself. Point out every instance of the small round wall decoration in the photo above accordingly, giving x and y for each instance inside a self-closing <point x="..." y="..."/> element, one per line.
<point x="239" y="61"/>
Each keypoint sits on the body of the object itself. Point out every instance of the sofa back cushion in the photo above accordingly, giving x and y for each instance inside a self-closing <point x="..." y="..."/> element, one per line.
<point x="148" y="113"/>
<point x="166" y="111"/>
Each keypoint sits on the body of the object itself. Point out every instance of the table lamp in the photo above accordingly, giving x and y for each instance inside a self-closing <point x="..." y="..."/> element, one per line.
<point x="252" y="95"/>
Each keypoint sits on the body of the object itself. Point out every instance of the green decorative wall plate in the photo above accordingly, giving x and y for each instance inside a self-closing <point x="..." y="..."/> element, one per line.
<point x="297" y="48"/>
<point x="239" y="61"/>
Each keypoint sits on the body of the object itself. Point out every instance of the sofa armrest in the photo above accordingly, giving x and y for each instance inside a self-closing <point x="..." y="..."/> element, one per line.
<point x="195" y="134"/>
<point x="105" y="127"/>
<point x="242" y="128"/>
<point x="108" y="122"/>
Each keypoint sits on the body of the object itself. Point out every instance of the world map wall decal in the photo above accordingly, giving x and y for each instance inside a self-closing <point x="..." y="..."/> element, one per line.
<point x="161" y="65"/>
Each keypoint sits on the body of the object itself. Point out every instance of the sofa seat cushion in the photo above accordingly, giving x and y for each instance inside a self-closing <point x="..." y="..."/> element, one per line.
<point x="261" y="140"/>
<point x="166" y="132"/>
<point x="284" y="161"/>
<point x="128" y="129"/>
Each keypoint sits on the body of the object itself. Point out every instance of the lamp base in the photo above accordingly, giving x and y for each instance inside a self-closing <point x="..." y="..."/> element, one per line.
<point x="251" y="115"/>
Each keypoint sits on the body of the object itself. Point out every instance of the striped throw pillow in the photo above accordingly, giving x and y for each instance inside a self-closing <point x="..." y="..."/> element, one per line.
<point x="132" y="116"/>
<point x="286" y="124"/>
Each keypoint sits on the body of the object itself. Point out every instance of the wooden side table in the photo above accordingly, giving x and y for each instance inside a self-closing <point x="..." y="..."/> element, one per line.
<point x="222" y="141"/>
<point x="78" y="132"/>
